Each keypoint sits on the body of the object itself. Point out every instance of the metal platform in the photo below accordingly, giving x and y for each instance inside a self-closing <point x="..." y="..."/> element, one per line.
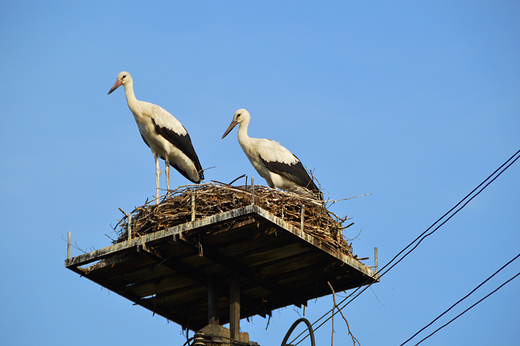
<point x="242" y="262"/>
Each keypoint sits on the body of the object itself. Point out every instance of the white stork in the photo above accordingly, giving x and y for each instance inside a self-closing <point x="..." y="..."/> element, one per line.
<point x="163" y="134"/>
<point x="277" y="165"/>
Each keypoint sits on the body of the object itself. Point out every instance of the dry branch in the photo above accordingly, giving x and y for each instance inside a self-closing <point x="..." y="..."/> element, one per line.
<point x="176" y="208"/>
<point x="354" y="340"/>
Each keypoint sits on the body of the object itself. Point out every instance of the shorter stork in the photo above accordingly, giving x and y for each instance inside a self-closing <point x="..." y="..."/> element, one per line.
<point x="277" y="165"/>
<point x="163" y="134"/>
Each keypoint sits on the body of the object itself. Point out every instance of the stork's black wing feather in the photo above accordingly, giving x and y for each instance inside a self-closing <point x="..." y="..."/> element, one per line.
<point x="295" y="172"/>
<point x="183" y="143"/>
<point x="144" y="139"/>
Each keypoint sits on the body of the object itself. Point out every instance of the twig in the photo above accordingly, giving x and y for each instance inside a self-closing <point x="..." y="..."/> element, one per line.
<point x="268" y="320"/>
<point x="213" y="198"/>
<point x="129" y="223"/>
<point x="346" y="199"/>
<point x="375" y="295"/>
<point x="356" y="237"/>
<point x="333" y="307"/>
<point x="109" y="237"/>
<point x="231" y="183"/>
<point x="354" y="340"/>
<point x="75" y="245"/>
<point x="330" y="202"/>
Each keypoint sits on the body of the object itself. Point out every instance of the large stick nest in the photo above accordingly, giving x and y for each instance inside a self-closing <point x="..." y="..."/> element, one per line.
<point x="176" y="208"/>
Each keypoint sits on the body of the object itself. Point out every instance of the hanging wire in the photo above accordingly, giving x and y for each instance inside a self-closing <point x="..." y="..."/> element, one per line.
<point x="188" y="341"/>
<point x="472" y="306"/>
<point x="309" y="328"/>
<point x="460" y="300"/>
<point x="460" y="205"/>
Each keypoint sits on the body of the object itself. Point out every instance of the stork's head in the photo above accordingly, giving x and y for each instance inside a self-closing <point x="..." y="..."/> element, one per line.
<point x="241" y="116"/>
<point x="123" y="78"/>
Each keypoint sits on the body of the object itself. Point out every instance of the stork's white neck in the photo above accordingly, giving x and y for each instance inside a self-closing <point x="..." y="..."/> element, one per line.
<point x="243" y="137"/>
<point x="130" y="95"/>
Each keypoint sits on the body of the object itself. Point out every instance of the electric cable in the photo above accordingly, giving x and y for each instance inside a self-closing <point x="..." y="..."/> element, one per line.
<point x="462" y="203"/>
<point x="309" y="328"/>
<point x="472" y="306"/>
<point x="460" y="300"/>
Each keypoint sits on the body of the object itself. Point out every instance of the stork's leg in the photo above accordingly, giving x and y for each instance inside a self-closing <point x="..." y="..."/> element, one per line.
<point x="157" y="177"/>
<point x="167" y="170"/>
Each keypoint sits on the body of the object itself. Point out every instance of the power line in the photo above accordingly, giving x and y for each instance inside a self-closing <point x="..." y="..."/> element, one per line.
<point x="469" y="197"/>
<point x="472" y="306"/>
<point x="460" y="205"/>
<point x="460" y="300"/>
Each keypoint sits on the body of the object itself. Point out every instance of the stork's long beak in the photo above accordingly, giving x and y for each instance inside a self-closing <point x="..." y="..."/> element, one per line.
<point x="116" y="85"/>
<point x="231" y="126"/>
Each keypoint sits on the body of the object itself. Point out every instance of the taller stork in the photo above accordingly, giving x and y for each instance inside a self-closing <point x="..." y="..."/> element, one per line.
<point x="277" y="165"/>
<point x="163" y="134"/>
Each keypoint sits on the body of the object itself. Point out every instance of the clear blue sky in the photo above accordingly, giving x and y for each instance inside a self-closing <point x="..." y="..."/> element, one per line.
<point x="413" y="102"/>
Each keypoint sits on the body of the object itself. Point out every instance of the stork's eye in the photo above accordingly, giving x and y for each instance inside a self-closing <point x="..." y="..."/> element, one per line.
<point x="123" y="77"/>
